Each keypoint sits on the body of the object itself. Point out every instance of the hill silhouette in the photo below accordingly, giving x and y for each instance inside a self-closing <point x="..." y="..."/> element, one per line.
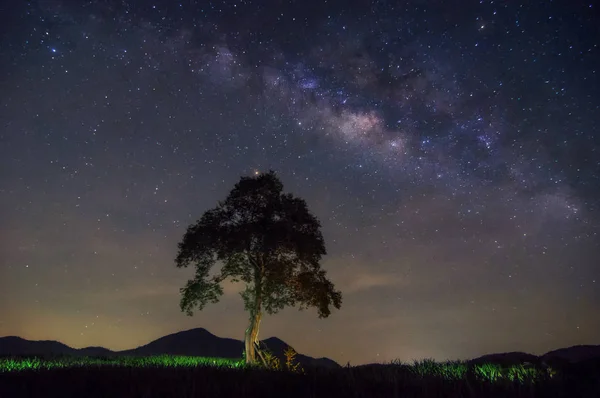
<point x="201" y="342"/>
<point x="507" y="358"/>
<point x="13" y="345"/>
<point x="193" y="342"/>
<point x="575" y="354"/>
<point x="559" y="357"/>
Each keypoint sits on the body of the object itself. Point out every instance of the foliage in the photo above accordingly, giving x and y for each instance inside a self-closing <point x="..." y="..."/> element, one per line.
<point x="449" y="370"/>
<point x="15" y="364"/>
<point x="488" y="372"/>
<point x="266" y="239"/>
<point x="290" y="360"/>
<point x="166" y="377"/>
<point x="271" y="361"/>
<point x="258" y="232"/>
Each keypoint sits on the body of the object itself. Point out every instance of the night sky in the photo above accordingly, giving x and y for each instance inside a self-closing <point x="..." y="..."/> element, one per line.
<point x="451" y="150"/>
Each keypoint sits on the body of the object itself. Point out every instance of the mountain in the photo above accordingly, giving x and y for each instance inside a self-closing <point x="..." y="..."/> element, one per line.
<point x="95" y="352"/>
<point x="200" y="342"/>
<point x="575" y="354"/>
<point x="194" y="342"/>
<point x="567" y="355"/>
<point x="507" y="358"/>
<point x="13" y="345"/>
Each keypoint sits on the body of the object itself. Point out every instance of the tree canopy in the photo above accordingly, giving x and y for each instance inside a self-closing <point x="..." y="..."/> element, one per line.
<point x="268" y="240"/>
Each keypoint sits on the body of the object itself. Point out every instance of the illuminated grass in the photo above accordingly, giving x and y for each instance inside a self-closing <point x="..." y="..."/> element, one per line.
<point x="450" y="370"/>
<point x="162" y="361"/>
<point x="489" y="372"/>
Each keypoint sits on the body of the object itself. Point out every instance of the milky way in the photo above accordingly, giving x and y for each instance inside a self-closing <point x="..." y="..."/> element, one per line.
<point x="450" y="149"/>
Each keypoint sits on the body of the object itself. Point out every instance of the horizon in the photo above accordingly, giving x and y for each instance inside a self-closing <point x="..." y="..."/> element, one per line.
<point x="313" y="355"/>
<point x="450" y="151"/>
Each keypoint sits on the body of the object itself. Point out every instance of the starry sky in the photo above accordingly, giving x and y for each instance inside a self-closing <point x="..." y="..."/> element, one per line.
<point x="450" y="149"/>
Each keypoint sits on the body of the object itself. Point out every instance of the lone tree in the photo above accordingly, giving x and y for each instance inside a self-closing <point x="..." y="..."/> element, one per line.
<point x="265" y="238"/>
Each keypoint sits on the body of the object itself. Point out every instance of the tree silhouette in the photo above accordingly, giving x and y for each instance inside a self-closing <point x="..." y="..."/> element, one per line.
<point x="268" y="240"/>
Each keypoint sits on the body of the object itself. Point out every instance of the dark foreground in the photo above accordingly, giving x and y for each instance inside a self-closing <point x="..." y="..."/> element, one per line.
<point x="582" y="380"/>
<point x="180" y="377"/>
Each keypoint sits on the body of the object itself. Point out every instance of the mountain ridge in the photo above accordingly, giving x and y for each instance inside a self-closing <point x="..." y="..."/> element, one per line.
<point x="566" y="355"/>
<point x="201" y="342"/>
<point x="192" y="342"/>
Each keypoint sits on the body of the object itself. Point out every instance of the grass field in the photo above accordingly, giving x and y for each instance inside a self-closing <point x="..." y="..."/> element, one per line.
<point x="173" y="376"/>
<point x="162" y="361"/>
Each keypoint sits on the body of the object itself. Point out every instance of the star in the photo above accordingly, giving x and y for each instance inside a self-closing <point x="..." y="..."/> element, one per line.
<point x="450" y="157"/>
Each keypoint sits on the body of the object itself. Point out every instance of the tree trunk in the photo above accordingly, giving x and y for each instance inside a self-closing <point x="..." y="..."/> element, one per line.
<point x="248" y="346"/>
<point x="251" y="337"/>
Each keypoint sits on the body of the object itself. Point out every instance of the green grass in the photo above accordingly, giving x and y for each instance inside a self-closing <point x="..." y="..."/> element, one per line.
<point x="489" y="372"/>
<point x="450" y="370"/>
<point x="179" y="376"/>
<point x="162" y="361"/>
